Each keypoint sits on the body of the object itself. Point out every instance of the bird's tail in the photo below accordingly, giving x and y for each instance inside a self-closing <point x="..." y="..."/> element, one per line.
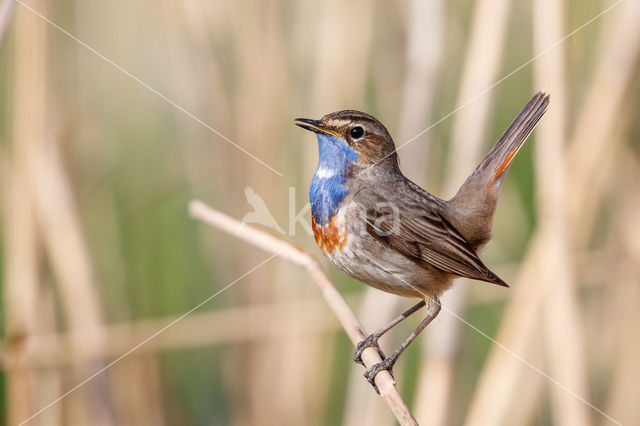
<point x="475" y="202"/>
<point x="495" y="165"/>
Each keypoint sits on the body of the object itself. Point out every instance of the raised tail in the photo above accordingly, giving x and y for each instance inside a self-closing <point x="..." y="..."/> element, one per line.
<point x="495" y="165"/>
<point x="474" y="204"/>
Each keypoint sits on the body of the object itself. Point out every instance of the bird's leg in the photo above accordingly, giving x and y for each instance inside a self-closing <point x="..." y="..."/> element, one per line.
<point x="387" y="364"/>
<point x="372" y="339"/>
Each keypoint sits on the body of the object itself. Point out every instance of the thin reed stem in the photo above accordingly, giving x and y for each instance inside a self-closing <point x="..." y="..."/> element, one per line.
<point x="336" y="302"/>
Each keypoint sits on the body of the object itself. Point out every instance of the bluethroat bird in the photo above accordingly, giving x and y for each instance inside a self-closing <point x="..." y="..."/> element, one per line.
<point x="382" y="229"/>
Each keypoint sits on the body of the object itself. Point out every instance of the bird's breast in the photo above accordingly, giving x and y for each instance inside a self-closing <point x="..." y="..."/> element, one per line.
<point x="365" y="259"/>
<point x="331" y="237"/>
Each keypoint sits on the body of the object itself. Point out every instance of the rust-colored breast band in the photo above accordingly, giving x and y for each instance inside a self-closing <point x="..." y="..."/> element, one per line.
<point x="329" y="237"/>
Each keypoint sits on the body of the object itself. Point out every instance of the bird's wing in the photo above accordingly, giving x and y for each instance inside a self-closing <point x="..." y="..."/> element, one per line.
<point x="425" y="236"/>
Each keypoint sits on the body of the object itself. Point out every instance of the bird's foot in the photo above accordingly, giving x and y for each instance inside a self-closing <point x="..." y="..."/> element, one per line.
<point x="371" y="373"/>
<point x="370" y="342"/>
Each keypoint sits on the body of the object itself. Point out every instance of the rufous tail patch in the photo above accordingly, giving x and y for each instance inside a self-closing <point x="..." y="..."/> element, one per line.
<point x="505" y="165"/>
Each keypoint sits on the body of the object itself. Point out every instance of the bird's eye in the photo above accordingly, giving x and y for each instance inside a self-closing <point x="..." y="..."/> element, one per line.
<point x="356" y="132"/>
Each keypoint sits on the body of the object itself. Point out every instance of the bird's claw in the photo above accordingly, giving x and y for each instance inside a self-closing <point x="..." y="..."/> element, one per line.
<point x="371" y="373"/>
<point x="370" y="342"/>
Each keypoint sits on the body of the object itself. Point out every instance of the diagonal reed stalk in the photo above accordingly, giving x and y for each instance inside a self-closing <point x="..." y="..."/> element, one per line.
<point x="338" y="305"/>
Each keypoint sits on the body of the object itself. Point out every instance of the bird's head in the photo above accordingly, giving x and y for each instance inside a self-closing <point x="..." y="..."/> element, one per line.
<point x="352" y="137"/>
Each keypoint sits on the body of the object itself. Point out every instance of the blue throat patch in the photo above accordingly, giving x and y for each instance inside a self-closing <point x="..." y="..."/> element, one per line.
<point x="328" y="184"/>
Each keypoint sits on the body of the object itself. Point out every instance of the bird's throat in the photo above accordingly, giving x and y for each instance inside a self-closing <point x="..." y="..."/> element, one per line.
<point x="328" y="186"/>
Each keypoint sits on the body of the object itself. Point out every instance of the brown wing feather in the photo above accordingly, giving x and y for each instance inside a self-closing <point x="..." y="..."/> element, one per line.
<point x="427" y="238"/>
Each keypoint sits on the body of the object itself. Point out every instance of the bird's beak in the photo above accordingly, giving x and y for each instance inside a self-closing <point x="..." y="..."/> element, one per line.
<point x="315" y="126"/>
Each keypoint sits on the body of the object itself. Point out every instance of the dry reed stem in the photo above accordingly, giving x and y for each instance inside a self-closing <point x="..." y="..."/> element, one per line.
<point x="63" y="241"/>
<point x="343" y="312"/>
<point x="502" y="372"/>
<point x="501" y="375"/>
<point x="242" y="324"/>
<point x="89" y="85"/>
<point x="21" y="287"/>
<point x="562" y="318"/>
<point x="49" y="192"/>
<point x="194" y="31"/>
<point x="48" y="382"/>
<point x="217" y="100"/>
<point x="335" y="84"/>
<point x="133" y="377"/>
<point x="365" y="407"/>
<point x="623" y="366"/>
<point x="259" y="102"/>
<point x="528" y="400"/>
<point x="599" y="118"/>
<point x="7" y="8"/>
<point x="425" y="42"/>
<point x="54" y="206"/>
<point x="482" y="63"/>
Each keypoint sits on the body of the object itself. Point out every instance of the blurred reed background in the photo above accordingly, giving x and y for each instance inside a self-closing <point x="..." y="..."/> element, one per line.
<point x="100" y="151"/>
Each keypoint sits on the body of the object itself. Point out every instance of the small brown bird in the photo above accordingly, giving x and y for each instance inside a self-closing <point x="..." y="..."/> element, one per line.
<point x="387" y="232"/>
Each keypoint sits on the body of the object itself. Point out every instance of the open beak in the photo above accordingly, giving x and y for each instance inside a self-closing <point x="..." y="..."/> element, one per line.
<point x="314" y="126"/>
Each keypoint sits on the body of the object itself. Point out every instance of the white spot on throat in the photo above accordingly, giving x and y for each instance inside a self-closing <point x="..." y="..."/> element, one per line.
<point x="325" y="173"/>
